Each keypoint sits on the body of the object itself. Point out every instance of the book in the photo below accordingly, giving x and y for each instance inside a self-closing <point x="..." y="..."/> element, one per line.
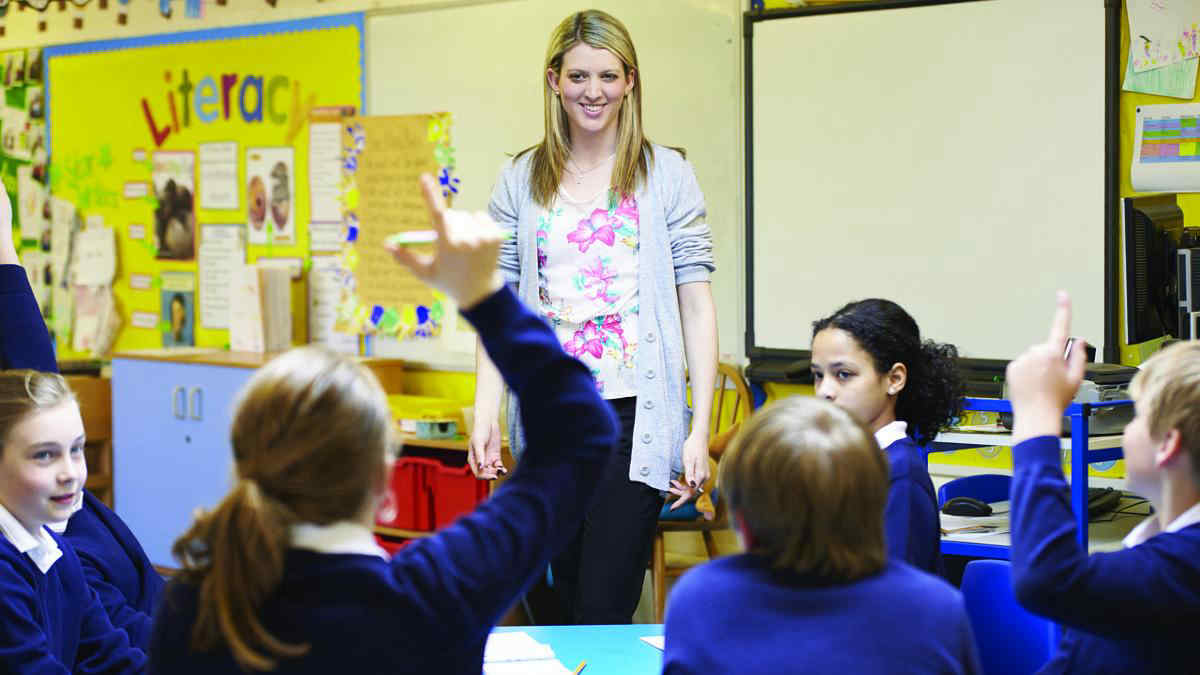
<point x="260" y="310"/>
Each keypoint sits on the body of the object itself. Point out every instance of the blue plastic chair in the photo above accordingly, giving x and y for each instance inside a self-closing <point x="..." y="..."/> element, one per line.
<point x="988" y="487"/>
<point x="1011" y="641"/>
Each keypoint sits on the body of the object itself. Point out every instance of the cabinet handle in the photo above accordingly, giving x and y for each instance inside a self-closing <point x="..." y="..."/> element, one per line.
<point x="178" y="403"/>
<point x="196" y="403"/>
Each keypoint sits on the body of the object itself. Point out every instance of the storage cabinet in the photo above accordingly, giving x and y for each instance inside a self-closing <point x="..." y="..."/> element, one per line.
<point x="171" y="418"/>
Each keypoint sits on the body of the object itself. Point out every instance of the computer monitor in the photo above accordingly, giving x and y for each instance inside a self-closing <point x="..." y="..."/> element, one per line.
<point x="1152" y="227"/>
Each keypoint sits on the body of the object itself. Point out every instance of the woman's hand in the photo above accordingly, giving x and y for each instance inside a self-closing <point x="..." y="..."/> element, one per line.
<point x="483" y="454"/>
<point x="695" y="471"/>
<point x="463" y="264"/>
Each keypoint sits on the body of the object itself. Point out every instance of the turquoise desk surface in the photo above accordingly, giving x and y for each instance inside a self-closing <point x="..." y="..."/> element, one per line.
<point x="608" y="650"/>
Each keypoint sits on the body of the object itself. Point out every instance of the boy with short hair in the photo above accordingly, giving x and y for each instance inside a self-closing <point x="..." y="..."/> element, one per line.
<point x="1134" y="610"/>
<point x="816" y="592"/>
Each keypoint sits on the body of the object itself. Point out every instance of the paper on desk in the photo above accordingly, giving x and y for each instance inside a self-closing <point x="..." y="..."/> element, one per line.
<point x="519" y="654"/>
<point x="1166" y="148"/>
<point x="656" y="641"/>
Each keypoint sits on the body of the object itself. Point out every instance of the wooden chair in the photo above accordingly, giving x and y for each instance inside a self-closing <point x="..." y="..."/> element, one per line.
<point x="722" y="427"/>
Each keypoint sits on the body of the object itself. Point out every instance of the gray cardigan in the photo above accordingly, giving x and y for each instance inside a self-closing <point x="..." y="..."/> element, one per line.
<point x="674" y="247"/>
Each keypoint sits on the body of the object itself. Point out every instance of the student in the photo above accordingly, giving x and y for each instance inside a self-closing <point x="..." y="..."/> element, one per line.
<point x="868" y="358"/>
<point x="113" y="561"/>
<point x="1129" y="611"/>
<point x="50" y="620"/>
<point x="816" y="591"/>
<point x="285" y="572"/>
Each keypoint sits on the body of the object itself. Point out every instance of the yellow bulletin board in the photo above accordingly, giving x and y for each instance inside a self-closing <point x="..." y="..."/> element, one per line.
<point x="127" y="117"/>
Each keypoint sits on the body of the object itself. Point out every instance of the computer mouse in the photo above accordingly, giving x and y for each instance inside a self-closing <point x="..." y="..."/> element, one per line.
<point x="966" y="506"/>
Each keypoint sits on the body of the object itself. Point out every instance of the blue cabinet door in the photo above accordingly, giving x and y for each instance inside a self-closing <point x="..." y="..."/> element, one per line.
<point x="171" y="452"/>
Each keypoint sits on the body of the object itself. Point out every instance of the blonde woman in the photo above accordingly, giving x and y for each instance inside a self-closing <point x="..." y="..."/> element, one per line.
<point x="612" y="248"/>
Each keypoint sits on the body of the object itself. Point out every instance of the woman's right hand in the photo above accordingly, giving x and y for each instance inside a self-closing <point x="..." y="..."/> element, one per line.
<point x="484" y="453"/>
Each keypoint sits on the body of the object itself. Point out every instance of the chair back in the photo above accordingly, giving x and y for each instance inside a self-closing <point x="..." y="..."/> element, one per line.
<point x="1011" y="640"/>
<point x="732" y="403"/>
<point x="988" y="487"/>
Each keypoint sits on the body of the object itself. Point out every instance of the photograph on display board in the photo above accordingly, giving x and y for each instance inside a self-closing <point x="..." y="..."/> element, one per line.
<point x="270" y="187"/>
<point x="14" y="69"/>
<point x="33" y="65"/>
<point x="174" y="177"/>
<point x="178" y="309"/>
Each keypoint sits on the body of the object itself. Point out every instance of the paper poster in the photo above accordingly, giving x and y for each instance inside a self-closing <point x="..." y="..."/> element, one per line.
<point x="326" y="237"/>
<point x="1166" y="148"/>
<point x="270" y="187"/>
<point x="1177" y="80"/>
<point x="14" y="68"/>
<point x="96" y="256"/>
<point x="178" y="309"/>
<point x="63" y="224"/>
<point x="32" y="207"/>
<point x="96" y="319"/>
<point x="383" y="157"/>
<point x="219" y="175"/>
<point x="222" y="253"/>
<point x="327" y="283"/>
<point x="144" y="319"/>
<point x="325" y="171"/>
<point x="174" y="178"/>
<point x="1162" y="32"/>
<point x="15" y="133"/>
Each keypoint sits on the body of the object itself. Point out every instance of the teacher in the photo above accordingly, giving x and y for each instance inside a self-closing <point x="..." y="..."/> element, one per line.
<point x="612" y="248"/>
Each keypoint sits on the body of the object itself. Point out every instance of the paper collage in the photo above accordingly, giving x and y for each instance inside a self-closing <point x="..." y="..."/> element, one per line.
<point x="383" y="157"/>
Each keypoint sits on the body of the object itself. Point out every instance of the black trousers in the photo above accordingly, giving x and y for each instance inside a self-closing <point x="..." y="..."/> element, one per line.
<point x="598" y="577"/>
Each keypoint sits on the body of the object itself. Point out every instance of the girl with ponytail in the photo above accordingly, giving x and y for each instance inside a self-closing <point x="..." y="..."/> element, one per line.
<point x="869" y="359"/>
<point x="284" y="574"/>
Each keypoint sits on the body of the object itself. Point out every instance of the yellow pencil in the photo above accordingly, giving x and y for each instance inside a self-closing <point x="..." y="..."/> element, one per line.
<point x="579" y="668"/>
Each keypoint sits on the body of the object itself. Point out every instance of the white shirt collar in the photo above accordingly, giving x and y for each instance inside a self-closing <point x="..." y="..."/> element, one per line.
<point x="41" y="548"/>
<point x="891" y="432"/>
<point x="1148" y="528"/>
<point x="340" y="537"/>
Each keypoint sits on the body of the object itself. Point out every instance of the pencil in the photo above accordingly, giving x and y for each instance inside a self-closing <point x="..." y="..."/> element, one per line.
<point x="579" y="668"/>
<point x="424" y="237"/>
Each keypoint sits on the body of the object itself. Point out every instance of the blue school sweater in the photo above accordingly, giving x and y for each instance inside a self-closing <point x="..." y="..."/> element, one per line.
<point x="1130" y="611"/>
<point x="430" y="609"/>
<point x="116" y="567"/>
<point x="53" y="623"/>
<point x="112" y="559"/>
<point x="24" y="342"/>
<point x="910" y="519"/>
<point x="737" y="615"/>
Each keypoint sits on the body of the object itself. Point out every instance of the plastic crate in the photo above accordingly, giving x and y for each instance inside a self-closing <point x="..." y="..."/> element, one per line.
<point x="407" y="505"/>
<point x="455" y="491"/>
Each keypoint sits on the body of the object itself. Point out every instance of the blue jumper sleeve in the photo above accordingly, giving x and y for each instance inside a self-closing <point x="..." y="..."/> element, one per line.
<point x="24" y="340"/>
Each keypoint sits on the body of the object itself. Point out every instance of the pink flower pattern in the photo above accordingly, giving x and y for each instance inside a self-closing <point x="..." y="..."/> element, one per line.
<point x="587" y="267"/>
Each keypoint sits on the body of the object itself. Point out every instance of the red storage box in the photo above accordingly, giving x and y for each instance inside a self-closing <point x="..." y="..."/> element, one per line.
<point x="407" y="505"/>
<point x="455" y="491"/>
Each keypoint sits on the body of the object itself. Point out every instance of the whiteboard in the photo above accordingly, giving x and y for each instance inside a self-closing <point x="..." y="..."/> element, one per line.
<point x="947" y="157"/>
<point x="482" y="62"/>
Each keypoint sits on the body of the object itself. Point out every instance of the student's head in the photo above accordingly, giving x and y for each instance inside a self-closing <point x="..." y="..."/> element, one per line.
<point x="593" y="86"/>
<point x="42" y="465"/>
<point x="1165" y="431"/>
<point x="868" y="357"/>
<point x="312" y="440"/>
<point x="807" y="484"/>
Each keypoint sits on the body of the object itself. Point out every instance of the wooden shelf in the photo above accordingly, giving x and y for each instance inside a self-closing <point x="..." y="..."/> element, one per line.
<point x="397" y="533"/>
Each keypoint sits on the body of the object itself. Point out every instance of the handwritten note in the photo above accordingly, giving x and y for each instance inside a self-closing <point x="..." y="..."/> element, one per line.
<point x="219" y="175"/>
<point x="384" y="157"/>
<point x="325" y="171"/>
<point x="97" y="259"/>
<point x="222" y="253"/>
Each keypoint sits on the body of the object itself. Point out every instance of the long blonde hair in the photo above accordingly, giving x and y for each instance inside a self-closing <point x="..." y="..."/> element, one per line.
<point x="310" y="433"/>
<point x="23" y="392"/>
<point x="601" y="31"/>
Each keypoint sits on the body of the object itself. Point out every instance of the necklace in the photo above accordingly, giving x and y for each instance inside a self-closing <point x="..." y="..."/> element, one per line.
<point x="574" y="168"/>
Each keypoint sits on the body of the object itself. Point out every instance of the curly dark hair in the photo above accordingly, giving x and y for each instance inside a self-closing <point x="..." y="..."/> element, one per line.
<point x="933" y="394"/>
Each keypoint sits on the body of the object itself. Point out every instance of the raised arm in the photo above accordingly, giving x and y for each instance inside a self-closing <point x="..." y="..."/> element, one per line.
<point x="24" y="340"/>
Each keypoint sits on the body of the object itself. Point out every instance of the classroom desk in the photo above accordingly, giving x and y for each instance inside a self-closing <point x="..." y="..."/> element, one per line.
<point x="608" y="650"/>
<point x="1085" y="449"/>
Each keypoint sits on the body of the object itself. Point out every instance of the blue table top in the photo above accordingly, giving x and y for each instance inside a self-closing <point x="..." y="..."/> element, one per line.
<point x="608" y="650"/>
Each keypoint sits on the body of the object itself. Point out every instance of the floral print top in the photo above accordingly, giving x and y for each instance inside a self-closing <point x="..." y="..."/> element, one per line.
<point x="587" y="284"/>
